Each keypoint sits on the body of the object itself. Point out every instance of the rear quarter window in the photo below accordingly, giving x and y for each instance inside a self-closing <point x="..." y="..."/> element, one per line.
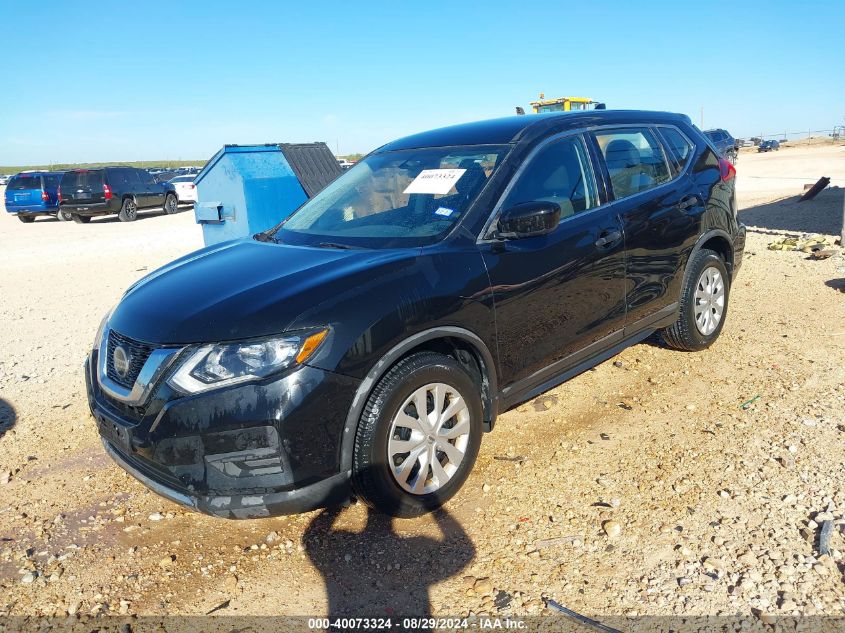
<point x="678" y="149"/>
<point x="118" y="178"/>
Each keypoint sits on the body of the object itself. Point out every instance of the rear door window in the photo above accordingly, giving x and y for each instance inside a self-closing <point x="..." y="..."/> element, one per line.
<point x="24" y="183"/>
<point x="634" y="160"/>
<point x="678" y="149"/>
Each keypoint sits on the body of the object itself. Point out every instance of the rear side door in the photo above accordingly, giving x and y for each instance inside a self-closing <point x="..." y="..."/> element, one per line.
<point x="153" y="190"/>
<point x="660" y="209"/>
<point x="559" y="298"/>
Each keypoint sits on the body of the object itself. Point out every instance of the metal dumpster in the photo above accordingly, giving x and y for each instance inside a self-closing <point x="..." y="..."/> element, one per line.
<point x="245" y="189"/>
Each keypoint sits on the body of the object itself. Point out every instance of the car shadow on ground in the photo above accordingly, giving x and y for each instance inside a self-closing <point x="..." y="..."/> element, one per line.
<point x="8" y="416"/>
<point x="380" y="572"/>
<point x="142" y="215"/>
<point x="822" y="214"/>
<point x="836" y="284"/>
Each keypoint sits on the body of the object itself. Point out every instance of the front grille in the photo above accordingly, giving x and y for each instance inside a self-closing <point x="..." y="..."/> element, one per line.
<point x="136" y="352"/>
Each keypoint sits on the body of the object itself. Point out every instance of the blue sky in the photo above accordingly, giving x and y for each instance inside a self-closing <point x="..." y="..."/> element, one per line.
<point x="92" y="81"/>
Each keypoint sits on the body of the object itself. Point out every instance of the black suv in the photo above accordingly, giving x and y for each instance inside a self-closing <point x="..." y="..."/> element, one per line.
<point x="85" y="193"/>
<point x="724" y="143"/>
<point x="364" y="344"/>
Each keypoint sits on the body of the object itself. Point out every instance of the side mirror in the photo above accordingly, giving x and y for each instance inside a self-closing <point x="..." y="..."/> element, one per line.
<point x="528" y="219"/>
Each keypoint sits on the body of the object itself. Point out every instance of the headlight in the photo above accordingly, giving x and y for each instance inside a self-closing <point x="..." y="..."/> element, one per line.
<point x="219" y="365"/>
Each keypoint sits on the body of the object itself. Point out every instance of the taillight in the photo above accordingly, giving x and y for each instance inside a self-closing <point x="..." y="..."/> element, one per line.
<point x="59" y="194"/>
<point x="727" y="170"/>
<point x="45" y="196"/>
<point x="192" y="186"/>
<point x="107" y="192"/>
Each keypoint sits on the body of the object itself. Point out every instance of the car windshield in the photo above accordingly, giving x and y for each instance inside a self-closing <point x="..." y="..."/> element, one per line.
<point x="403" y="198"/>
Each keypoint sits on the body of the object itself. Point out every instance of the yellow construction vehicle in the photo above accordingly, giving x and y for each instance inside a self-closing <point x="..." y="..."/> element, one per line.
<point x="564" y="104"/>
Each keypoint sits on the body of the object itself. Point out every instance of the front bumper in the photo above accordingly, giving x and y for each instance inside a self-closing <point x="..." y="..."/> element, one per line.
<point x="320" y="494"/>
<point x="252" y="450"/>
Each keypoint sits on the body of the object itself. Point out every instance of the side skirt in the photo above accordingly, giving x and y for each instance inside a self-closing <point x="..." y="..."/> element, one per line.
<point x="596" y="353"/>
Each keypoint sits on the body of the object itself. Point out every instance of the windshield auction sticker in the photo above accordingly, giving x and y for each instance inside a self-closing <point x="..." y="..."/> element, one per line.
<point x="436" y="181"/>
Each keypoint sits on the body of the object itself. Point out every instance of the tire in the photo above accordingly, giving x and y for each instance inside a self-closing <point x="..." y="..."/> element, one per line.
<point x="128" y="210"/>
<point x="80" y="219"/>
<point x="693" y="330"/>
<point x="373" y="478"/>
<point x="26" y="219"/>
<point x="63" y="216"/>
<point x="171" y="204"/>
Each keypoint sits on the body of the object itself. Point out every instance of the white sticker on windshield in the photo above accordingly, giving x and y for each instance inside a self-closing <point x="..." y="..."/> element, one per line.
<point x="444" y="211"/>
<point x="436" y="181"/>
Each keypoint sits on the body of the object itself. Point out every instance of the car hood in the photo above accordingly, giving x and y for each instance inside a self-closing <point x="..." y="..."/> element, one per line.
<point x="239" y="290"/>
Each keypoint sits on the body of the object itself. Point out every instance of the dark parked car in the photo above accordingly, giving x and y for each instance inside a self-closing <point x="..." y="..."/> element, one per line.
<point x="768" y="146"/>
<point x="724" y="143"/>
<point x="33" y="193"/>
<point x="86" y="193"/>
<point x="364" y="345"/>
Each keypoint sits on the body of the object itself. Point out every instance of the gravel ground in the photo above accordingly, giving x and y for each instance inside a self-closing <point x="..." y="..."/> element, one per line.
<point x="657" y="483"/>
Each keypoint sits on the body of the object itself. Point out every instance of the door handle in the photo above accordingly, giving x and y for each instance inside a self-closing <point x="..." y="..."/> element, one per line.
<point x="608" y="238"/>
<point x="688" y="203"/>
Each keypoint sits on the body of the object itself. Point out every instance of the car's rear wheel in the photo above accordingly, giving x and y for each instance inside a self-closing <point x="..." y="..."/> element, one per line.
<point x="81" y="219"/>
<point x="63" y="216"/>
<point x="703" y="304"/>
<point x="128" y="210"/>
<point x="171" y="204"/>
<point x="418" y="436"/>
<point x="26" y="219"/>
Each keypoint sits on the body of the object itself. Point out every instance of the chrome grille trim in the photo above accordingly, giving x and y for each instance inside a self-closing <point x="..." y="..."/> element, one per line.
<point x="155" y="364"/>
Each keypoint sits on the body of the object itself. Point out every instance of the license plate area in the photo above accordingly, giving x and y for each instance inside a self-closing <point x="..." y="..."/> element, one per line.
<point x="115" y="433"/>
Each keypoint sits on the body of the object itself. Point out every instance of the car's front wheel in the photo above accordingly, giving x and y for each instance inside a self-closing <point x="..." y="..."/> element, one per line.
<point x="171" y="204"/>
<point x="63" y="216"/>
<point x="81" y="219"/>
<point x="128" y="210"/>
<point x="703" y="304"/>
<point x="418" y="436"/>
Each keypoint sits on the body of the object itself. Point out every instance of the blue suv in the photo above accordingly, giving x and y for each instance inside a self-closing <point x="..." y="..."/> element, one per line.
<point x="33" y="193"/>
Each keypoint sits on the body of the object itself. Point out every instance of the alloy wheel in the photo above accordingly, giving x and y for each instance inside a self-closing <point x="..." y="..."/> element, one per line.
<point x="428" y="438"/>
<point x="709" y="301"/>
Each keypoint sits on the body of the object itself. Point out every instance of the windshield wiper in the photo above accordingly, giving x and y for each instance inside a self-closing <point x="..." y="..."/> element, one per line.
<point x="336" y="245"/>
<point x="264" y="236"/>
